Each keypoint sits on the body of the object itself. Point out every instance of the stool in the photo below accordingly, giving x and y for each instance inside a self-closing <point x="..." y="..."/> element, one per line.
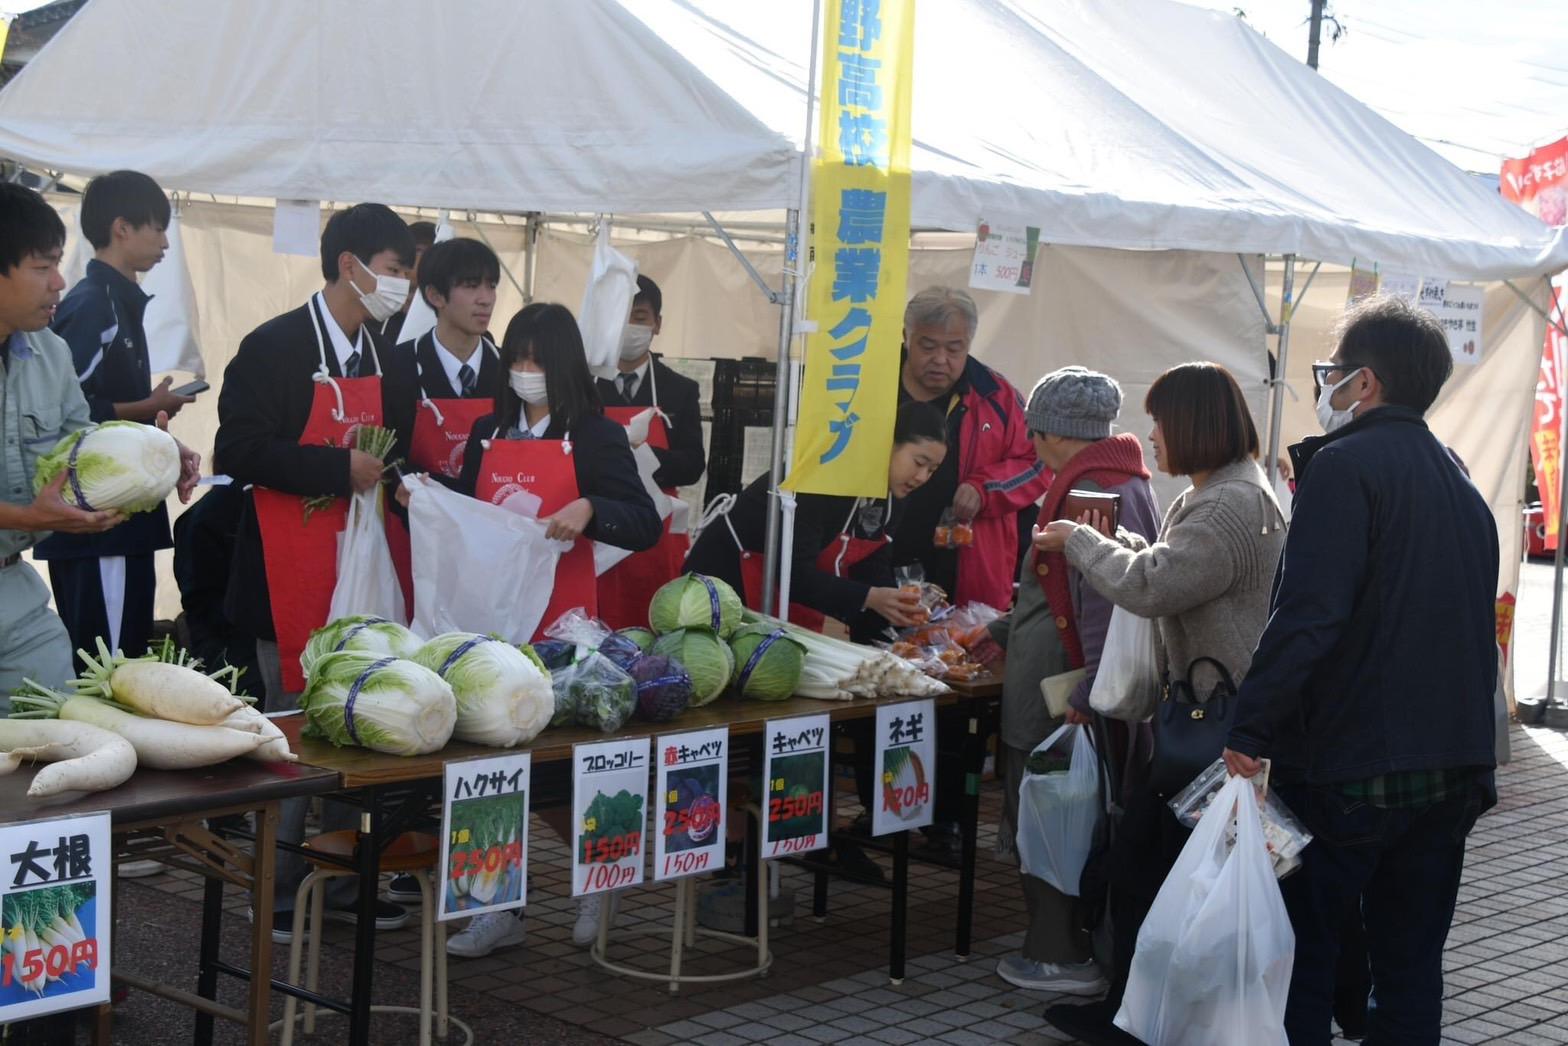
<point x="413" y="852"/>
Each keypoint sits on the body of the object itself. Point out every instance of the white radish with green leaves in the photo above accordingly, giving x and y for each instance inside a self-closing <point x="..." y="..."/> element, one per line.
<point x="156" y="688"/>
<point x="159" y="743"/>
<point x="82" y="757"/>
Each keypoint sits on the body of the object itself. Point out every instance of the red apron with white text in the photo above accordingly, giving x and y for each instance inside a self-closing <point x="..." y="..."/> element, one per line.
<point x="544" y="468"/>
<point x="626" y="589"/>
<point x="842" y="553"/>
<point x="301" y="557"/>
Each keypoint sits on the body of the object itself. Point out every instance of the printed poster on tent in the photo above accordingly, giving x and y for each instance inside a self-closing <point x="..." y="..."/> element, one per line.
<point x="1457" y="307"/>
<point x="905" y="765"/>
<point x="1004" y="257"/>
<point x="484" y="836"/>
<point x="692" y="790"/>
<point x="796" y="770"/>
<point x="610" y="812"/>
<point x="55" y="909"/>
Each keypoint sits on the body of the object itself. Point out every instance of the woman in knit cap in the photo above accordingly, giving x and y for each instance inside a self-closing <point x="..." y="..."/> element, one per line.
<point x="1206" y="582"/>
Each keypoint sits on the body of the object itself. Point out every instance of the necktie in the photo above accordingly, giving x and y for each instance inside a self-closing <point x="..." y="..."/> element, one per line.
<point x="351" y="365"/>
<point x="628" y="383"/>
<point x="466" y="378"/>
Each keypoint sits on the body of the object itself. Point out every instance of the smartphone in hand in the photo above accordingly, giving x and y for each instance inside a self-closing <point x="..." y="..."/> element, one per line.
<point x="192" y="389"/>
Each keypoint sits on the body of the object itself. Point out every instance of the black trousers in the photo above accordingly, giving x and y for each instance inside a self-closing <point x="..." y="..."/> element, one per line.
<point x="80" y="599"/>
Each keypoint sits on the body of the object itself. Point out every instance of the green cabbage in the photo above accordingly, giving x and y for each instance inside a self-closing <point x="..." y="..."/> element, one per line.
<point x="362" y="632"/>
<point x="643" y="637"/>
<point x="121" y="465"/>
<point x="398" y="707"/>
<point x="695" y="601"/>
<point x="706" y="657"/>
<point x="772" y="674"/>
<point x="503" y="693"/>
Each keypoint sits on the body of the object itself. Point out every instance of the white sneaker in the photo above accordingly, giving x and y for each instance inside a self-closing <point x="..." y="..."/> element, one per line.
<point x="138" y="869"/>
<point x="590" y="910"/>
<point x="1065" y="977"/>
<point x="485" y="933"/>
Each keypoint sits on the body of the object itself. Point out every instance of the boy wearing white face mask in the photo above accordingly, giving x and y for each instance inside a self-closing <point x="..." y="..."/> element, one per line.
<point x="644" y="381"/>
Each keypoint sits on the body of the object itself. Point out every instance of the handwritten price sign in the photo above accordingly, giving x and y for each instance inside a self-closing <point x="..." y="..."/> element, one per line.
<point x="796" y="770"/>
<point x="693" y="790"/>
<point x="610" y="800"/>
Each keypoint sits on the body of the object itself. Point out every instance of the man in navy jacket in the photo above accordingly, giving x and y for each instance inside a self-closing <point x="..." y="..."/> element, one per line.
<point x="1371" y="688"/>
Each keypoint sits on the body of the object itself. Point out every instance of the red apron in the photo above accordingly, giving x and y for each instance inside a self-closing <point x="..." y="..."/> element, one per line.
<point x="302" y="558"/>
<point x="626" y="589"/>
<point x="841" y="553"/>
<point x="544" y="468"/>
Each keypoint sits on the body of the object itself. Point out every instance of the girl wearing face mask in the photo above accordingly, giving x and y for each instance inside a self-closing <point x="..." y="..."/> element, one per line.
<point x="842" y="564"/>
<point x="549" y="448"/>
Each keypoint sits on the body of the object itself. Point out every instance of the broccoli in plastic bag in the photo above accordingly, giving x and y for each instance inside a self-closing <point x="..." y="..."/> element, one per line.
<point x="593" y="692"/>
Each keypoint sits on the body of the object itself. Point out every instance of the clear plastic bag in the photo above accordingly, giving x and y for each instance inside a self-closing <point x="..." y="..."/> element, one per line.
<point x="1127" y="683"/>
<point x="1058" y="811"/>
<point x="1214" y="955"/>
<point x="593" y="692"/>
<point x="1283" y="835"/>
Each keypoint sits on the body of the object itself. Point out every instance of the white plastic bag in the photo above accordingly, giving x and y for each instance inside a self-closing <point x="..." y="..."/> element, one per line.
<point x="477" y="567"/>
<point x="606" y="556"/>
<point x="607" y="301"/>
<point x="1127" y="684"/>
<point x="367" y="582"/>
<point x="1214" y="955"/>
<point x="1058" y="813"/>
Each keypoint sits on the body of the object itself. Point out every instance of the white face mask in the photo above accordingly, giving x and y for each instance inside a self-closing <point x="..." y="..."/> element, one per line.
<point x="635" y="339"/>
<point x="388" y="297"/>
<point x="529" y="386"/>
<point x="1328" y="417"/>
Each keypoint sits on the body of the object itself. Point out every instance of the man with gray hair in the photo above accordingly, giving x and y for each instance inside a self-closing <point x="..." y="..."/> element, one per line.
<point x="991" y="472"/>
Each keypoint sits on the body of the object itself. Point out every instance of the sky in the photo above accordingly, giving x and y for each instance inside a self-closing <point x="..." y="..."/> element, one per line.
<point x="1475" y="81"/>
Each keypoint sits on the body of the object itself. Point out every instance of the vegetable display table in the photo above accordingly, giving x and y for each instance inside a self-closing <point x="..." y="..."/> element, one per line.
<point x="396" y="794"/>
<point x="162" y="813"/>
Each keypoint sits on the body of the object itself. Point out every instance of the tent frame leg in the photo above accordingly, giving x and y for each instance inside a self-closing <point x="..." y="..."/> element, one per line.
<point x="1277" y="398"/>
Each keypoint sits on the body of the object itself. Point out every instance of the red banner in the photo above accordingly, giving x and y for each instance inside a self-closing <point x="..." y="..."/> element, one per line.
<point x="1539" y="184"/>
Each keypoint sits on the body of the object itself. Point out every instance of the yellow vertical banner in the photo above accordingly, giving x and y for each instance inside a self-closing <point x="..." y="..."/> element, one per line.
<point x="860" y="246"/>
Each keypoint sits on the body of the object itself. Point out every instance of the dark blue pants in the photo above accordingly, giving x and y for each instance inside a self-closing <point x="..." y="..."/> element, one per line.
<point x="79" y="598"/>
<point x="1403" y="865"/>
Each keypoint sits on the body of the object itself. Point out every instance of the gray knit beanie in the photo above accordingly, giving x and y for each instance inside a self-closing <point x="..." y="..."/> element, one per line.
<point x="1074" y="402"/>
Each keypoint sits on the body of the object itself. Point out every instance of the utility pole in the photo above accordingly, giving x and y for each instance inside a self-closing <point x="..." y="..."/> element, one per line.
<point x="1315" y="36"/>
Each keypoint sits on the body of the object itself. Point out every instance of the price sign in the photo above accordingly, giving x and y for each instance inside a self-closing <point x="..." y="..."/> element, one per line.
<point x="610" y="807"/>
<point x="1457" y="309"/>
<point x="905" y="766"/>
<point x="692" y="790"/>
<point x="1004" y="257"/>
<point x="484" y="836"/>
<point x="54" y="907"/>
<point x="796" y="772"/>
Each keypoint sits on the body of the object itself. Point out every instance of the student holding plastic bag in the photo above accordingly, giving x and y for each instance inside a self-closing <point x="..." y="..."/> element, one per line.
<point x="1054" y="634"/>
<point x="1205" y="581"/>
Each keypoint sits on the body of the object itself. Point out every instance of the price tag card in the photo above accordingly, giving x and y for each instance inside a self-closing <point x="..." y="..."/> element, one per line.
<point x="484" y="835"/>
<point x="905" y="766"/>
<point x="796" y="771"/>
<point x="1004" y="257"/>
<point x="692" y="790"/>
<point x="55" y="911"/>
<point x="610" y="804"/>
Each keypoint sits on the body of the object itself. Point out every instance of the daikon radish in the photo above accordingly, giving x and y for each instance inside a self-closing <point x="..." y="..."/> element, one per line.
<point x="275" y="747"/>
<point x="159" y="743"/>
<point x="83" y="757"/>
<point x="156" y="688"/>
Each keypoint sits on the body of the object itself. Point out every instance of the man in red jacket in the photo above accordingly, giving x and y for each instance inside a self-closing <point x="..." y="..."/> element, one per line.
<point x="991" y="470"/>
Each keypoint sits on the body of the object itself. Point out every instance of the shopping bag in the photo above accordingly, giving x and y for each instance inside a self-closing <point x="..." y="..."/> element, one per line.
<point x="1127" y="683"/>
<point x="1059" y="811"/>
<point x="1214" y="955"/>
<point x="606" y="556"/>
<point x="607" y="299"/>
<point x="367" y="582"/>
<point x="477" y="566"/>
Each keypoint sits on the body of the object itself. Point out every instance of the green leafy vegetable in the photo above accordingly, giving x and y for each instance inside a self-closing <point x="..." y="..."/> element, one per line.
<point x="121" y="465"/>
<point x="767" y="663"/>
<point x="361" y="632"/>
<point x="503" y="694"/>
<point x="706" y="657"/>
<point x="695" y="601"/>
<point x="382" y="703"/>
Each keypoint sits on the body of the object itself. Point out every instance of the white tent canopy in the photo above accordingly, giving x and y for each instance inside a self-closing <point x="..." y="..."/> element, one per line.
<point x="1143" y="124"/>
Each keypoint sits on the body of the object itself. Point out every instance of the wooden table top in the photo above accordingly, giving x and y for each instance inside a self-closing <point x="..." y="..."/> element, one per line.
<point x="158" y="796"/>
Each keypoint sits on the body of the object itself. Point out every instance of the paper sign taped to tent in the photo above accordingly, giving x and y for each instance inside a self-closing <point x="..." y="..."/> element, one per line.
<point x="1457" y="307"/>
<point x="1399" y="285"/>
<point x="1004" y="257"/>
<point x="296" y="227"/>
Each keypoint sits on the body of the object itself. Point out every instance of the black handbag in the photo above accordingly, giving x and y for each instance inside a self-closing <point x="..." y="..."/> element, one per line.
<point x="1189" y="733"/>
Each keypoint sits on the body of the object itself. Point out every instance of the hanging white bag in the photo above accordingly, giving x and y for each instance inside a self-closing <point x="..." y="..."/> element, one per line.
<point x="1127" y="683"/>
<point x="607" y="301"/>
<point x="1214" y="956"/>
<point x="606" y="556"/>
<point x="1058" y="813"/>
<point x="477" y="566"/>
<point x="367" y="582"/>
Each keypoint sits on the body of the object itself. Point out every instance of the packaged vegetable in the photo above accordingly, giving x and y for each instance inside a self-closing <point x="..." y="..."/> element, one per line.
<point x="1283" y="834"/>
<point x="555" y="654"/>
<point x="593" y="692"/>
<point x="664" y="688"/>
<point x="768" y="663"/>
<point x="706" y="657"/>
<point x="696" y="601"/>
<point x="591" y="634"/>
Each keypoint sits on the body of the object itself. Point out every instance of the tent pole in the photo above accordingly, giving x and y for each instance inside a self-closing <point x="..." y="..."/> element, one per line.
<point x="1269" y="326"/>
<point x="781" y="402"/>
<point x="1277" y="407"/>
<point x="1554" y="646"/>
<point x="531" y="225"/>
<point x="1556" y="324"/>
<point x="756" y="277"/>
